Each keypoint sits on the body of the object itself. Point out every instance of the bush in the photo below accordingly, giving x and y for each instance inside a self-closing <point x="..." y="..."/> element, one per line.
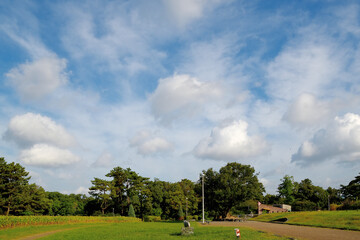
<point x="152" y="219"/>
<point x="334" y="207"/>
<point x="350" y="205"/>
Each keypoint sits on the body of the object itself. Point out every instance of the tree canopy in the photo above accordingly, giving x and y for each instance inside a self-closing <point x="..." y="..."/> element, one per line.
<point x="234" y="189"/>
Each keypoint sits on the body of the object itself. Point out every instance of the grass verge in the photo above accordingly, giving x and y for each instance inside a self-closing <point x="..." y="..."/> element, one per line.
<point x="15" y="221"/>
<point x="348" y="220"/>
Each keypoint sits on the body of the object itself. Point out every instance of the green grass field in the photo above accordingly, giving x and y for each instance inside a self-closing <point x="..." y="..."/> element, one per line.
<point x="134" y="230"/>
<point x="349" y="220"/>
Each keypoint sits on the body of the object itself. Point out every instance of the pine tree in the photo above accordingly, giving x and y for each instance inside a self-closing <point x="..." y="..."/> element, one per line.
<point x="131" y="211"/>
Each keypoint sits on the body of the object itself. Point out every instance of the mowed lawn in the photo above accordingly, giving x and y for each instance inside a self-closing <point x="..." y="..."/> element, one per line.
<point x="349" y="220"/>
<point x="137" y="230"/>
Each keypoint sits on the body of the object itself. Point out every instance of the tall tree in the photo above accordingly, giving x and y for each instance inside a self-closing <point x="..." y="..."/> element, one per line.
<point x="13" y="180"/>
<point x="101" y="190"/>
<point x="310" y="197"/>
<point x="234" y="184"/>
<point x="286" y="189"/>
<point x="130" y="188"/>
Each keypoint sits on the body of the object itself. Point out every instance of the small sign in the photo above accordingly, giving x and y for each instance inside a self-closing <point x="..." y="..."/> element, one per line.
<point x="237" y="232"/>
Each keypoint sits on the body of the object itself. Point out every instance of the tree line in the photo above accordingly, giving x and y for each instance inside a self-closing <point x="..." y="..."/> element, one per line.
<point x="234" y="189"/>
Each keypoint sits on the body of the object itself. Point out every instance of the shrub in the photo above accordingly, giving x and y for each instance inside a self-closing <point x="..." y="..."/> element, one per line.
<point x="152" y="219"/>
<point x="334" y="207"/>
<point x="350" y="205"/>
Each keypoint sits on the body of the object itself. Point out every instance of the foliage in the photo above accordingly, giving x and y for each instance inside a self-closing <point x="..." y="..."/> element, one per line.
<point x="131" y="212"/>
<point x="13" y="181"/>
<point x="181" y="213"/>
<point x="349" y="205"/>
<point x="235" y="189"/>
<point x="349" y="220"/>
<point x="229" y="188"/>
<point x="352" y="190"/>
<point x="286" y="189"/>
<point x="101" y="191"/>
<point x="152" y="219"/>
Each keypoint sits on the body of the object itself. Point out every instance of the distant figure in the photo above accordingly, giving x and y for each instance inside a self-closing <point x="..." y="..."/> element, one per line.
<point x="186" y="224"/>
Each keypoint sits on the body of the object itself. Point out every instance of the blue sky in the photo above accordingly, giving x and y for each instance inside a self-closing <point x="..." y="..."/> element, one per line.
<point x="170" y="88"/>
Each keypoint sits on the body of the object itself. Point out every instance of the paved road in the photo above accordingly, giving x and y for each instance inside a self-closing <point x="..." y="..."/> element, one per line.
<point x="299" y="232"/>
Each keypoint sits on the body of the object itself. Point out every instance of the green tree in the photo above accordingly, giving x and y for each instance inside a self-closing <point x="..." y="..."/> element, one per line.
<point x="130" y="188"/>
<point x="131" y="212"/>
<point x="13" y="180"/>
<point x="310" y="197"/>
<point x="33" y="201"/>
<point x="234" y="184"/>
<point x="286" y="189"/>
<point x="334" y="195"/>
<point x="270" y="199"/>
<point x="352" y="190"/>
<point x="101" y="190"/>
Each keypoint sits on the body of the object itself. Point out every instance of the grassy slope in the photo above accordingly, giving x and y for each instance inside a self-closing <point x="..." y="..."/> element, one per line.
<point x="137" y="230"/>
<point x="349" y="220"/>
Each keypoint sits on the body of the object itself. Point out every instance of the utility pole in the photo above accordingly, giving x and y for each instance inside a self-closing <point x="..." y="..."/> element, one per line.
<point x="203" y="213"/>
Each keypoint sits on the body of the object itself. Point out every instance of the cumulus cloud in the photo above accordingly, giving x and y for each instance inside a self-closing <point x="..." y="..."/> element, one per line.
<point x="306" y="110"/>
<point x="29" y="129"/>
<point x="44" y="155"/>
<point x="82" y="190"/>
<point x="340" y="140"/>
<point x="105" y="160"/>
<point x="37" y="79"/>
<point x="181" y="95"/>
<point x="230" y="142"/>
<point x="147" y="143"/>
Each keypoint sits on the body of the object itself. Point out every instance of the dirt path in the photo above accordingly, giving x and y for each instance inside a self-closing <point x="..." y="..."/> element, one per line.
<point x="44" y="234"/>
<point x="300" y="232"/>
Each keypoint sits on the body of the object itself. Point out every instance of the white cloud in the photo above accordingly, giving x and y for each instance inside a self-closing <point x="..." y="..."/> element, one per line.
<point x="230" y="142"/>
<point x="306" y="110"/>
<point x="104" y="161"/>
<point x="186" y="11"/>
<point x="181" y="96"/>
<point x="147" y="143"/>
<point x="30" y="128"/>
<point x="82" y="190"/>
<point x="340" y="140"/>
<point x="307" y="66"/>
<point x="44" y="155"/>
<point x="37" y="79"/>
